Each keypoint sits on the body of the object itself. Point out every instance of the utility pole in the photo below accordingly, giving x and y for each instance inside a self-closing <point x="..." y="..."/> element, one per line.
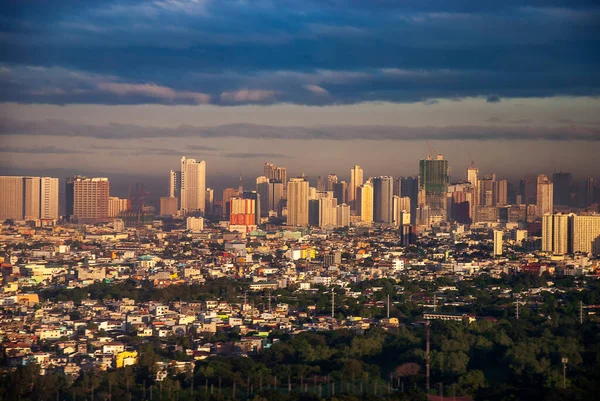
<point x="580" y="312"/>
<point x="564" y="362"/>
<point x="388" y="306"/>
<point x="427" y="359"/>
<point x="332" y="303"/>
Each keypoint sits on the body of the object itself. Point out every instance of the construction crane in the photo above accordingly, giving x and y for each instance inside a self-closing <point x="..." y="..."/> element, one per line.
<point x="431" y="150"/>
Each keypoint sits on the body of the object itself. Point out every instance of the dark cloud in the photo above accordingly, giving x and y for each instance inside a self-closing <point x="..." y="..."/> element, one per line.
<point x="39" y="150"/>
<point x="347" y="51"/>
<point x="506" y="131"/>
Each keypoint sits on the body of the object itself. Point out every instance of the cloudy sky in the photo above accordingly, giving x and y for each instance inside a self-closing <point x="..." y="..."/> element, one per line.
<point x="128" y="87"/>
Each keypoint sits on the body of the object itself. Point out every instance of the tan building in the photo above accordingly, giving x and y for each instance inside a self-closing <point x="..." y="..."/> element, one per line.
<point x="49" y="198"/>
<point x="498" y="242"/>
<point x="297" y="202"/>
<point x="193" y="186"/>
<point x="401" y="207"/>
<point x="555" y="233"/>
<point x="364" y="202"/>
<point x="90" y="199"/>
<point x="31" y="198"/>
<point x="116" y="206"/>
<point x="168" y="206"/>
<point x="356" y="180"/>
<point x="545" y="194"/>
<point x="11" y="198"/>
<point x="585" y="234"/>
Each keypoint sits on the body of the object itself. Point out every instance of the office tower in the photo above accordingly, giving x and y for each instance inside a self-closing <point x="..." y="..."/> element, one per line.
<point x="195" y="224"/>
<point x="356" y="180"/>
<point x="70" y="194"/>
<point x="175" y="186"/>
<point x="528" y="188"/>
<point x="562" y="188"/>
<point x="383" y="188"/>
<point x="401" y="210"/>
<point x="262" y="188"/>
<point x="409" y="186"/>
<point x="364" y="202"/>
<point x="90" y="199"/>
<point x="340" y="192"/>
<point x="327" y="209"/>
<point x="473" y="175"/>
<point x="485" y="188"/>
<point x="555" y="233"/>
<point x="11" y="198"/>
<point x="544" y="196"/>
<point x="590" y="191"/>
<point x="331" y="179"/>
<point x="320" y="184"/>
<point x="313" y="212"/>
<point x="243" y="212"/>
<point x="498" y="240"/>
<point x="423" y="216"/>
<point x="585" y="234"/>
<point x="434" y="180"/>
<point x="49" y="198"/>
<point x="116" y="206"/>
<point x="168" y="206"/>
<point x="193" y="186"/>
<point x="398" y="186"/>
<point x="297" y="202"/>
<point x="228" y="193"/>
<point x="31" y="209"/>
<point x="209" y="203"/>
<point x="276" y="196"/>
<point x="343" y="215"/>
<point x="255" y="196"/>
<point x="273" y="172"/>
<point x="500" y="193"/>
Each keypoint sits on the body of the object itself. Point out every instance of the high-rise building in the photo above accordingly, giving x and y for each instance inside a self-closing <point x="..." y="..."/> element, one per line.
<point x="195" y="224"/>
<point x="585" y="234"/>
<point x="498" y="242"/>
<point x="297" y="202"/>
<point x="117" y="205"/>
<point x="90" y="199"/>
<point x="555" y="233"/>
<point x="276" y="196"/>
<point x="434" y="180"/>
<point x="500" y="193"/>
<point x="262" y="188"/>
<point x="562" y="188"/>
<point x="228" y="193"/>
<point x="473" y="175"/>
<point x="485" y="190"/>
<point x="49" y="198"/>
<point x="590" y="191"/>
<point x="32" y="198"/>
<point x="327" y="205"/>
<point x="193" y="186"/>
<point x="364" y="202"/>
<point x="356" y="180"/>
<point x="544" y="196"/>
<point x="383" y="189"/>
<point x="343" y="215"/>
<point x="243" y="212"/>
<point x="255" y="196"/>
<point x="175" y="186"/>
<point x="320" y="184"/>
<point x="11" y="198"/>
<point x="331" y="179"/>
<point x="340" y="192"/>
<point x="528" y="188"/>
<point x="409" y="186"/>
<point x="209" y="202"/>
<point x="273" y="172"/>
<point x="401" y="208"/>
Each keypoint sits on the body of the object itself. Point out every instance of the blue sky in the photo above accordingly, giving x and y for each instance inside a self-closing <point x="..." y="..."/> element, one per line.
<point x="473" y="70"/>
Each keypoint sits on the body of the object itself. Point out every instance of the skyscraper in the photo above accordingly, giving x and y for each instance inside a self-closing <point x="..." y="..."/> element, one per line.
<point x="229" y="193"/>
<point x="434" y="180"/>
<point x="262" y="188"/>
<point x="562" y="188"/>
<point x="528" y="188"/>
<point x="585" y="234"/>
<point x="401" y="210"/>
<point x="409" y="186"/>
<point x="555" y="233"/>
<point x="49" y="198"/>
<point x="273" y="172"/>
<point x="590" y="191"/>
<point x="193" y="186"/>
<point x="11" y="198"/>
<point x="90" y="199"/>
<point x="356" y="180"/>
<point x="364" y="202"/>
<point x="544" y="195"/>
<point x="210" y="202"/>
<point x="340" y="192"/>
<point x="175" y="186"/>
<point x="32" y="198"/>
<point x="331" y="179"/>
<point x="498" y="242"/>
<point x="320" y="184"/>
<point x="383" y="189"/>
<point x="297" y="202"/>
<point x="500" y="193"/>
